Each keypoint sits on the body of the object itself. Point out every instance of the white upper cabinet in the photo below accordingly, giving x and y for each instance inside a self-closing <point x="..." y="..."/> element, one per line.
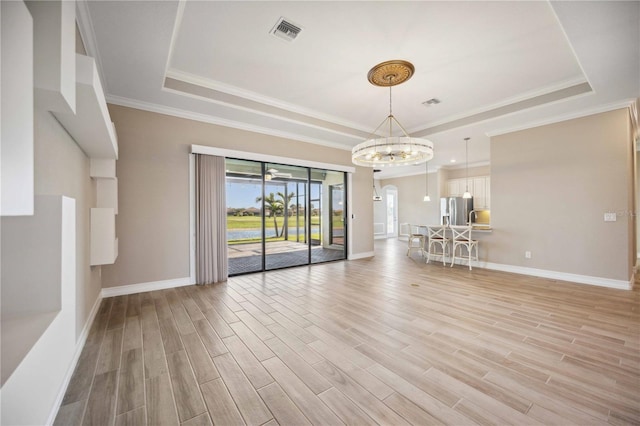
<point x="480" y="192"/>
<point x="479" y="187"/>
<point x="54" y="44"/>
<point x="16" y="136"/>
<point x="453" y="186"/>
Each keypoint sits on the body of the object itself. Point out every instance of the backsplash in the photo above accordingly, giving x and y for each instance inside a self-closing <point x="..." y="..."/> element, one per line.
<point x="483" y="216"/>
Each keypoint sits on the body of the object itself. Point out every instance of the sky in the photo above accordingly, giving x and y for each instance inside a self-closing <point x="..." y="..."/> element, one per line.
<point x="243" y="195"/>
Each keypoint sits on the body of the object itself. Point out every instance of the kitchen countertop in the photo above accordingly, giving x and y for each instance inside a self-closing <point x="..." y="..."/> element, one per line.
<point x="485" y="229"/>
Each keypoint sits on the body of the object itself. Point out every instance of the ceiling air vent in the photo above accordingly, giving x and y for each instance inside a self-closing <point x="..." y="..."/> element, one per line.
<point x="286" y="30"/>
<point x="432" y="101"/>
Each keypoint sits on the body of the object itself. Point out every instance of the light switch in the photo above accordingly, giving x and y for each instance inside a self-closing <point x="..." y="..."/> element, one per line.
<point x="610" y="217"/>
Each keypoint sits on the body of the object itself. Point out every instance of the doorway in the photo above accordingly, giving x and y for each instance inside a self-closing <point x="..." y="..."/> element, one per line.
<point x="391" y="206"/>
<point x="279" y="216"/>
<point x="336" y="205"/>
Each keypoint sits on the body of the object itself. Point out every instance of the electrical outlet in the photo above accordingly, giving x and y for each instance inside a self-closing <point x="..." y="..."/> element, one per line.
<point x="527" y="254"/>
<point x="610" y="217"/>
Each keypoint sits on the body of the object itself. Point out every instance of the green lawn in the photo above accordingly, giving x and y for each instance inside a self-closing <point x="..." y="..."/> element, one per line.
<point x="255" y="222"/>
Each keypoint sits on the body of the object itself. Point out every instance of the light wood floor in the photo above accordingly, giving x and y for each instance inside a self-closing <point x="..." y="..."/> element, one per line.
<point x="387" y="340"/>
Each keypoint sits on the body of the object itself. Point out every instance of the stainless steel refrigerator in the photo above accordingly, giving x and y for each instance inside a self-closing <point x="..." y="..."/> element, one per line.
<point x="455" y="210"/>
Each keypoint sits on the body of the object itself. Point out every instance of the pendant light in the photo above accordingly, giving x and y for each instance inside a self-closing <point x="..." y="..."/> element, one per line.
<point x="376" y="197"/>
<point x="466" y="194"/>
<point x="390" y="150"/>
<point x="426" y="196"/>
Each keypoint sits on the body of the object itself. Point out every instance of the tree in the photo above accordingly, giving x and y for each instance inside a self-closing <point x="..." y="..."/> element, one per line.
<point x="286" y="200"/>
<point x="275" y="207"/>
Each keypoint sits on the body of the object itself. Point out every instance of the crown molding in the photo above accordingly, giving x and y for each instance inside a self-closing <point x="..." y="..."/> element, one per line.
<point x="256" y="97"/>
<point x="626" y="103"/>
<point x="462" y="165"/>
<point x="566" y="84"/>
<point x="204" y="118"/>
<point x="262" y="113"/>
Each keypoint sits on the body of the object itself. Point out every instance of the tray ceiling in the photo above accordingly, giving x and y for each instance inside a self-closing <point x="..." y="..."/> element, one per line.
<point x="495" y="66"/>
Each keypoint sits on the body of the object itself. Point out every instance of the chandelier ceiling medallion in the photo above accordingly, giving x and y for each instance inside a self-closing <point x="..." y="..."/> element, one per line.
<point x="390" y="150"/>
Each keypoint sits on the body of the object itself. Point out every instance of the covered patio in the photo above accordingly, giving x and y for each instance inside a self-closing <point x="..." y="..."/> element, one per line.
<point x="279" y="254"/>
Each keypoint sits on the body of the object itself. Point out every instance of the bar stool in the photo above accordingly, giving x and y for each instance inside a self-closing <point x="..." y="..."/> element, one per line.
<point x="462" y="238"/>
<point x="437" y="237"/>
<point x="416" y="240"/>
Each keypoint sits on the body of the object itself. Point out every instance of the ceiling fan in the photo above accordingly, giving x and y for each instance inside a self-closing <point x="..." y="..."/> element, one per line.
<point x="274" y="173"/>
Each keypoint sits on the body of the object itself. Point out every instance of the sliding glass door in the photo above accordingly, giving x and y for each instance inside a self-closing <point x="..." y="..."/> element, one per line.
<point x="336" y="237"/>
<point x="329" y="243"/>
<point x="280" y="216"/>
<point x="285" y="201"/>
<point x="245" y="216"/>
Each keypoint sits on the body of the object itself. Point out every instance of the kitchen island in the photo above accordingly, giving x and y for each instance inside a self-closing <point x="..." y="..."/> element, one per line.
<point x="480" y="232"/>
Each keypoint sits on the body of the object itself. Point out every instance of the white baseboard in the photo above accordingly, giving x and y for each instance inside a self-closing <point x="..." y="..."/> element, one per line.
<point x="142" y="287"/>
<point x="82" y="339"/>
<point x="563" y="276"/>
<point x="363" y="255"/>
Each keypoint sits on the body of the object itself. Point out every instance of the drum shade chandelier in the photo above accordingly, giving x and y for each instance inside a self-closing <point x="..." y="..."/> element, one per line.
<point x="390" y="151"/>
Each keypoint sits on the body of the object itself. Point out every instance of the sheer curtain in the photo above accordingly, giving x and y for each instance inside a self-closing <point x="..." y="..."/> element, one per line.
<point x="211" y="220"/>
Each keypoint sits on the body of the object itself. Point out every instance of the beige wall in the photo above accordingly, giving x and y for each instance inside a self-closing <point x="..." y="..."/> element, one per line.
<point x="153" y="180"/>
<point x="411" y="207"/>
<point x="61" y="168"/>
<point x="362" y="209"/>
<point x="637" y="205"/>
<point x="550" y="187"/>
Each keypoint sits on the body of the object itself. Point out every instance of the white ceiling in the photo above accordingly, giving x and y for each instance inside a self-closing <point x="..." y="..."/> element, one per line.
<point x="495" y="66"/>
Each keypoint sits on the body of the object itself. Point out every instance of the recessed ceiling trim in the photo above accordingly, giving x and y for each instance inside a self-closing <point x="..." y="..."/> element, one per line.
<point x="210" y="95"/>
<point x="88" y="34"/>
<point x="256" y="97"/>
<point x="508" y="101"/>
<point x="177" y="24"/>
<point x="205" y="118"/>
<point x="564" y="117"/>
<point x="536" y="101"/>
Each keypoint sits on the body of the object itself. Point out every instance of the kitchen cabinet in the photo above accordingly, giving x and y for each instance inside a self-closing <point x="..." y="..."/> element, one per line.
<point x="479" y="186"/>
<point x="455" y="187"/>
